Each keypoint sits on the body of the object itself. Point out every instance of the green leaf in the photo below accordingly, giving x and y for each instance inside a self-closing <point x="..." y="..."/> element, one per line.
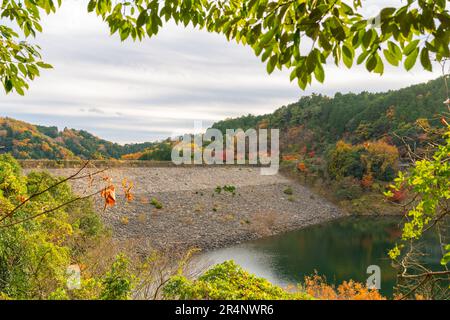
<point x="293" y="74"/>
<point x="319" y="73"/>
<point x="410" y="47"/>
<point x="19" y="89"/>
<point x="266" y="54"/>
<point x="272" y="63"/>
<point x="362" y="57"/>
<point x="371" y="63"/>
<point x="302" y="83"/>
<point x="395" y="50"/>
<point x="44" y="65"/>
<point x="91" y="5"/>
<point x="311" y="62"/>
<point x="142" y="18"/>
<point x="390" y="57"/>
<point x="446" y="258"/>
<point x="348" y="55"/>
<point x="380" y="65"/>
<point x="23" y="69"/>
<point x="411" y="59"/>
<point x="8" y="85"/>
<point x="425" y="60"/>
<point x="368" y="38"/>
<point x="267" y="37"/>
<point x="386" y="12"/>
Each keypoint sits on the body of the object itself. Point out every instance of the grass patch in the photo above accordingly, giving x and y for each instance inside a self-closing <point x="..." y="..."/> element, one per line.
<point x="156" y="203"/>
<point x="288" y="191"/>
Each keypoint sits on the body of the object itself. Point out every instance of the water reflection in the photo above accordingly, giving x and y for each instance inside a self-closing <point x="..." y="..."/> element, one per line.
<point x="340" y="250"/>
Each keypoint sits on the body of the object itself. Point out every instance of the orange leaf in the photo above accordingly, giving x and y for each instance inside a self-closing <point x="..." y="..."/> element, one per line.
<point x="109" y="194"/>
<point x="127" y="189"/>
<point x="301" y="166"/>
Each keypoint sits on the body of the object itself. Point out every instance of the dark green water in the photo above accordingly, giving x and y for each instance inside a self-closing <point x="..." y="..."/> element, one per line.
<point x="339" y="250"/>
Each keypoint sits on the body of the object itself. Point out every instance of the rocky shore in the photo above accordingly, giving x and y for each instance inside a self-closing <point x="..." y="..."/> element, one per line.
<point x="195" y="214"/>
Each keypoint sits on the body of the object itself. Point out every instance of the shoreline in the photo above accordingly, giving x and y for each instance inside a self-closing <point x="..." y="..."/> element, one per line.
<point x="206" y="220"/>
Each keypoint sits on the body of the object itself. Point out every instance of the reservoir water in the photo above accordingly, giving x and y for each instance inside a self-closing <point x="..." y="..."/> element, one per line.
<point x="339" y="250"/>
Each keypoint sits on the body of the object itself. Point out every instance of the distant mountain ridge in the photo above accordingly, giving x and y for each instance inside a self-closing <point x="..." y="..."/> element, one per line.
<point x="312" y="124"/>
<point x="27" y="141"/>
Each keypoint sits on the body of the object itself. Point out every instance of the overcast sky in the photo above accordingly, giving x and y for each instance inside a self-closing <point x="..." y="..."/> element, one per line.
<point x="135" y="92"/>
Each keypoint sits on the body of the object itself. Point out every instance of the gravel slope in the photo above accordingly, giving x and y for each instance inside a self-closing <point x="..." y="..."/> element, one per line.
<point x="194" y="215"/>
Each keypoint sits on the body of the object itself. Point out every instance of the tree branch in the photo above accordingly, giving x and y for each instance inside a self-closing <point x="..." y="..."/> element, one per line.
<point x="9" y="214"/>
<point x="50" y="210"/>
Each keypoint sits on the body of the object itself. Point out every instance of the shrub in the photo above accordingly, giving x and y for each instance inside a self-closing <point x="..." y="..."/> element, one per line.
<point x="381" y="159"/>
<point x="11" y="180"/>
<point x="344" y="160"/>
<point x="227" y="281"/>
<point x="118" y="282"/>
<point x="376" y="158"/>
<point x="230" y="189"/>
<point x="156" y="203"/>
<point x="226" y="188"/>
<point x="86" y="218"/>
<point x="348" y="188"/>
<point x="387" y="174"/>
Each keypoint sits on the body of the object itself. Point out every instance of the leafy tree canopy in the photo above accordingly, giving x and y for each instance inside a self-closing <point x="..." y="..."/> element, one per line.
<point x="278" y="31"/>
<point x="319" y="121"/>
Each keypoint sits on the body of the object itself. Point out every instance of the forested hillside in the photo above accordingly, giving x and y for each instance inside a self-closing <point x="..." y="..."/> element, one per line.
<point x="351" y="146"/>
<point x="315" y="122"/>
<point x="27" y="141"/>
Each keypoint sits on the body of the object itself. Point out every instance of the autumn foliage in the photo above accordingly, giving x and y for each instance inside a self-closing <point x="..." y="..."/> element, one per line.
<point x="290" y="157"/>
<point x="367" y="161"/>
<point x="397" y="196"/>
<point x="367" y="181"/>
<point x="317" y="287"/>
<point x="109" y="194"/>
<point x="127" y="186"/>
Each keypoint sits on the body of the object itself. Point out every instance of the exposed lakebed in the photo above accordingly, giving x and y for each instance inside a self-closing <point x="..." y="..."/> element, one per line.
<point x="193" y="214"/>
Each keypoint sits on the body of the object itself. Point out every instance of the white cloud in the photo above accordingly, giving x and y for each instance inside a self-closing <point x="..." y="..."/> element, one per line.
<point x="130" y="92"/>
